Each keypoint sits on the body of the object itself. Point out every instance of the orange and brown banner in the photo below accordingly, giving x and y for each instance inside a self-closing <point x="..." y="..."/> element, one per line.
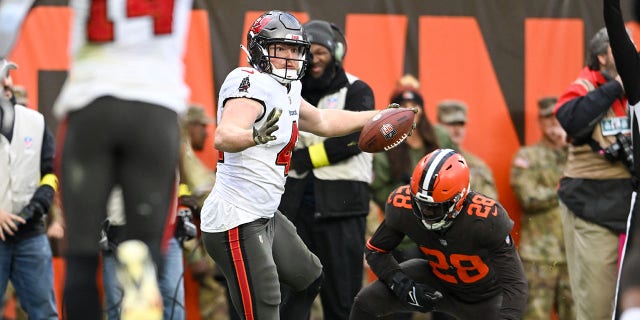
<point x="499" y="56"/>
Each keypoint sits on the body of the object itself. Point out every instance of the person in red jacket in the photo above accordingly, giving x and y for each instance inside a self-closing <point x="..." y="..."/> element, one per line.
<point x="596" y="188"/>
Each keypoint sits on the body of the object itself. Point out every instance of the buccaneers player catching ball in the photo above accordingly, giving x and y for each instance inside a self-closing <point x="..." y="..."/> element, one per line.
<point x="470" y="270"/>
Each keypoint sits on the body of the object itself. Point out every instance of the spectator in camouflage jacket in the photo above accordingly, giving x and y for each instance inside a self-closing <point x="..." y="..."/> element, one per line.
<point x="535" y="174"/>
<point x="452" y="116"/>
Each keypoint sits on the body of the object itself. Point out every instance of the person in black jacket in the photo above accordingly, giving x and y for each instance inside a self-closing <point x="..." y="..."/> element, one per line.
<point x="628" y="65"/>
<point x="471" y="269"/>
<point x="327" y="192"/>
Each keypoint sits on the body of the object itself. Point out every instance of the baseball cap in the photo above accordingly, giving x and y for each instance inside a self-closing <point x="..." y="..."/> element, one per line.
<point x="196" y="114"/>
<point x="452" y="111"/>
<point x="407" y="94"/>
<point x="546" y="106"/>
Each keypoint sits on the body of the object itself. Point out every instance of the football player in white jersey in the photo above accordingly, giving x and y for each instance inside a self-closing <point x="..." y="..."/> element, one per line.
<point x="120" y="107"/>
<point x="259" y="113"/>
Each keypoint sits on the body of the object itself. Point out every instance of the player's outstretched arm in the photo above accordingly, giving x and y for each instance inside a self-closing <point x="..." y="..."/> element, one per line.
<point x="235" y="131"/>
<point x="332" y="123"/>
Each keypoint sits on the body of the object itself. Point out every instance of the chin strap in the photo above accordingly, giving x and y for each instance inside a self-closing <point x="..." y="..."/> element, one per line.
<point x="243" y="48"/>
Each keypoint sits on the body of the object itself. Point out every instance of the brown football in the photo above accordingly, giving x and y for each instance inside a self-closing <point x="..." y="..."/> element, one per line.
<point x="386" y="130"/>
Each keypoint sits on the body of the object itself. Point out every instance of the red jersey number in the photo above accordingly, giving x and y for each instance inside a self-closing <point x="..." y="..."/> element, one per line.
<point x="284" y="156"/>
<point x="100" y="28"/>
<point x="469" y="269"/>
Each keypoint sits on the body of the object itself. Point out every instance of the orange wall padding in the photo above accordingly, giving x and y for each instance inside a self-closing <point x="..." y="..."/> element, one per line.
<point x="455" y="64"/>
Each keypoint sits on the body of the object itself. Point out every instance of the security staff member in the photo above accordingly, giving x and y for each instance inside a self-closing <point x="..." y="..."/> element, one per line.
<point x="327" y="192"/>
<point x="27" y="187"/>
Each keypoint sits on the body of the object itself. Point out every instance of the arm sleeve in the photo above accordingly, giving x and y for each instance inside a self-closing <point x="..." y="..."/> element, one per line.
<point x="624" y="52"/>
<point x="48" y="152"/>
<point x="512" y="279"/>
<point x="45" y="192"/>
<point x="579" y="110"/>
<point x="378" y="252"/>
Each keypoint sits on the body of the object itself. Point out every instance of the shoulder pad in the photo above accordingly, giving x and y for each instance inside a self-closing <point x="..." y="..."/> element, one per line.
<point x="246" y="82"/>
<point x="399" y="200"/>
<point x="491" y="221"/>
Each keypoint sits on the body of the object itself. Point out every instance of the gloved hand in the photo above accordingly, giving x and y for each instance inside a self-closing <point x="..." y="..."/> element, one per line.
<point x="419" y="296"/>
<point x="414" y="109"/>
<point x="39" y="204"/>
<point x="395" y="105"/>
<point x="263" y="135"/>
<point x="32" y="209"/>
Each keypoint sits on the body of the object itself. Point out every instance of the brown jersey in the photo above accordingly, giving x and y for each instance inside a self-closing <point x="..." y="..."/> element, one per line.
<point x="472" y="259"/>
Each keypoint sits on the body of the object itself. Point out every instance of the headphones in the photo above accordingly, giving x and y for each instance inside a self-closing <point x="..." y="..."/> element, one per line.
<point x="340" y="46"/>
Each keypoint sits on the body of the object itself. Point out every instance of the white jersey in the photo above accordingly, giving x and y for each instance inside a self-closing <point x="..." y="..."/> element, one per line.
<point x="250" y="183"/>
<point x="131" y="50"/>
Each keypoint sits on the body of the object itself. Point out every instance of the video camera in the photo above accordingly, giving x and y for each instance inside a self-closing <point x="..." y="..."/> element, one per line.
<point x="621" y="150"/>
<point x="185" y="228"/>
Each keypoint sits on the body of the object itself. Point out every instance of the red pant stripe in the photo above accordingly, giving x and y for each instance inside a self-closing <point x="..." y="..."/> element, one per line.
<point x="241" y="272"/>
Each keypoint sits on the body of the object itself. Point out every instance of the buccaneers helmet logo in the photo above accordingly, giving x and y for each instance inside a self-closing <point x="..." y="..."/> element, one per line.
<point x="259" y="24"/>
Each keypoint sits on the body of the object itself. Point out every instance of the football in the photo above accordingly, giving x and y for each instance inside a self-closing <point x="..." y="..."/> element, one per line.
<point x="386" y="130"/>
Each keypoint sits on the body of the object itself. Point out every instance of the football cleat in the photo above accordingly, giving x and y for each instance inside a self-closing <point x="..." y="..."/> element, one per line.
<point x="137" y="275"/>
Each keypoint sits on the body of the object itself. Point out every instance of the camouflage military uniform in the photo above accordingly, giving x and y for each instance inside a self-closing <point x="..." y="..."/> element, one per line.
<point x="452" y="117"/>
<point x="200" y="179"/>
<point x="481" y="176"/>
<point x="535" y="173"/>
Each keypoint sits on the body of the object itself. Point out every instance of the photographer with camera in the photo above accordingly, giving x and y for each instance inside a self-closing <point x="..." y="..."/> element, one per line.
<point x="170" y="280"/>
<point x="596" y="185"/>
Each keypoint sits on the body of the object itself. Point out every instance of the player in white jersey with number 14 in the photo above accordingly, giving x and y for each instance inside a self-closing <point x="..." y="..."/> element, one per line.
<point x="120" y="107"/>
<point x="259" y="113"/>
